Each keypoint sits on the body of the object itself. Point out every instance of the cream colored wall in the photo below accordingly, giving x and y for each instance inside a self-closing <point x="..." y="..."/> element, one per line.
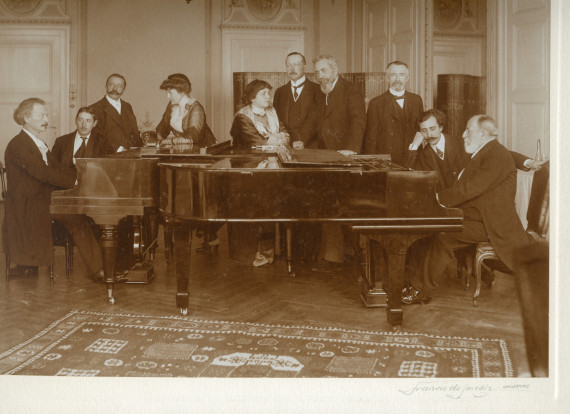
<point x="145" y="40"/>
<point x="333" y="31"/>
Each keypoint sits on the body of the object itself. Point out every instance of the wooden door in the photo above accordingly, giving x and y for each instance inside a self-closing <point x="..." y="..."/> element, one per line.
<point x="527" y="78"/>
<point x="34" y="63"/>
<point x="394" y="30"/>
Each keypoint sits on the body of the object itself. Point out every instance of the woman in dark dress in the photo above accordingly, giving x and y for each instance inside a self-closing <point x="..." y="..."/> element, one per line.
<point x="182" y="126"/>
<point x="184" y="120"/>
<point x="256" y="124"/>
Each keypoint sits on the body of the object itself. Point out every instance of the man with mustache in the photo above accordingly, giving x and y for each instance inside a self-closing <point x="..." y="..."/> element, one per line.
<point x="116" y="121"/>
<point x="32" y="173"/>
<point x="341" y="121"/>
<point x="295" y="103"/>
<point x="82" y="143"/>
<point x="485" y="191"/>
<point x="391" y="120"/>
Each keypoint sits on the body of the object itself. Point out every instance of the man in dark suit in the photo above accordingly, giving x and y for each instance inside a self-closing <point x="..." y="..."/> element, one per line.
<point x="82" y="143"/>
<point x="341" y="109"/>
<point x="391" y="120"/>
<point x="342" y="121"/>
<point x="432" y="150"/>
<point x="295" y="103"/>
<point x="116" y="121"/>
<point x="32" y="173"/>
<point x="485" y="191"/>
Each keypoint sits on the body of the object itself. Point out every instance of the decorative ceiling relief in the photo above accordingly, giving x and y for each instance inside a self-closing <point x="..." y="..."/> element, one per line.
<point x="263" y="14"/>
<point x="33" y="11"/>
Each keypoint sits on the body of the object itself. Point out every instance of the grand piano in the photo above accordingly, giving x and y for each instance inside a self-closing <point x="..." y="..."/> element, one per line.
<point x="372" y="196"/>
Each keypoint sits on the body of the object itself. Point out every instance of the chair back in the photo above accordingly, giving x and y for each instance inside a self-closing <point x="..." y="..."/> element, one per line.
<point x="539" y="203"/>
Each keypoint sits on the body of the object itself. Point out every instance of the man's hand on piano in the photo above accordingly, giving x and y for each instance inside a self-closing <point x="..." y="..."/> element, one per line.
<point x="346" y="152"/>
<point x="121" y="149"/>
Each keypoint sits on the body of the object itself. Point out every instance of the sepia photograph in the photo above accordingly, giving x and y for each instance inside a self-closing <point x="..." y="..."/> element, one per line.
<point x="282" y="205"/>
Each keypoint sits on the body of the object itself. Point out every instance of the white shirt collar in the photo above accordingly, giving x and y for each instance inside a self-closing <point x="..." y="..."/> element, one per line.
<point x="440" y="144"/>
<point x="257" y="111"/>
<point x="42" y="146"/>
<point x="116" y="103"/>
<point x="401" y="93"/>
<point x="298" y="81"/>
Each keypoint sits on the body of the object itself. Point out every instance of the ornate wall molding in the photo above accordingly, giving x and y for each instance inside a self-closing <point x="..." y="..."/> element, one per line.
<point x="34" y="11"/>
<point x="263" y="14"/>
<point x="458" y="17"/>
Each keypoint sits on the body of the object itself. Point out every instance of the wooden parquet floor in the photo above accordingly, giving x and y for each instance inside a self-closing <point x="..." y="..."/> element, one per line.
<point x="223" y="290"/>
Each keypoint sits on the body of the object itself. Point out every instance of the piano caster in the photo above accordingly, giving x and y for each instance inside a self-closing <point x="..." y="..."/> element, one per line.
<point x="110" y="298"/>
<point x="397" y="328"/>
<point x="292" y="275"/>
<point x="184" y="311"/>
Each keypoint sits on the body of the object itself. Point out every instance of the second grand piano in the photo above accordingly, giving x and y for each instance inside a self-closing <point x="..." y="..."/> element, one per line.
<point x="371" y="196"/>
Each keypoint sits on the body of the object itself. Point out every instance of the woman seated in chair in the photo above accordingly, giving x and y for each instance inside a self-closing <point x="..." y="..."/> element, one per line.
<point x="255" y="124"/>
<point x="182" y="126"/>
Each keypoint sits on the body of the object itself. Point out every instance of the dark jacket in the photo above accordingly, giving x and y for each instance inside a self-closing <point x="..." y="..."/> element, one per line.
<point x="425" y="159"/>
<point x="342" y="120"/>
<point x="244" y="133"/>
<point x="97" y="147"/>
<point x="488" y="184"/>
<point x="30" y="183"/>
<point x="389" y="128"/>
<point x="304" y="128"/>
<point x="118" y="129"/>
<point x="194" y="125"/>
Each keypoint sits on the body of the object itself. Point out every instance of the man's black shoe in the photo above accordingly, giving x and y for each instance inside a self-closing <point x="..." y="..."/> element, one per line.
<point x="412" y="295"/>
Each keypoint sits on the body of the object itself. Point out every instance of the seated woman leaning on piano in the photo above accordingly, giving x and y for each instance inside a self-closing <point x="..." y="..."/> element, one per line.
<point x="256" y="124"/>
<point x="183" y="125"/>
<point x="184" y="120"/>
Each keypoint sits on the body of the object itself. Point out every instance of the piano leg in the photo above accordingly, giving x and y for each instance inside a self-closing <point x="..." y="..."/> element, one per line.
<point x="395" y="246"/>
<point x="288" y="231"/>
<point x="153" y="219"/>
<point x="109" y="245"/>
<point x="182" y="234"/>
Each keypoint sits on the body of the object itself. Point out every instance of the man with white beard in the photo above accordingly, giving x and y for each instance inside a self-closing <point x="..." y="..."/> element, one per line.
<point x="342" y="121"/>
<point x="485" y="191"/>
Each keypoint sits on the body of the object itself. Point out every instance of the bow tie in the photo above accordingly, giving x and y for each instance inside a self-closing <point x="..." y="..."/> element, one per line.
<point x="398" y="97"/>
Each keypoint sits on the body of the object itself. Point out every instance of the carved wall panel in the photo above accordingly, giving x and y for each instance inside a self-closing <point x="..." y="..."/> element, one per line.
<point x="456" y="17"/>
<point x="34" y="11"/>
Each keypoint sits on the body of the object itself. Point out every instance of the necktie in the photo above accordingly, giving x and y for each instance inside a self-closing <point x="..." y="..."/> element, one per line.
<point x="439" y="153"/>
<point x="295" y="93"/>
<point x="80" y="153"/>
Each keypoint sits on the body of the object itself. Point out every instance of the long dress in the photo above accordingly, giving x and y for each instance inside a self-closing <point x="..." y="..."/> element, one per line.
<point x="247" y="239"/>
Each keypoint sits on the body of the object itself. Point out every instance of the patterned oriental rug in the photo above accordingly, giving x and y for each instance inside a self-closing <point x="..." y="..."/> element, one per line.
<point x="98" y="344"/>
